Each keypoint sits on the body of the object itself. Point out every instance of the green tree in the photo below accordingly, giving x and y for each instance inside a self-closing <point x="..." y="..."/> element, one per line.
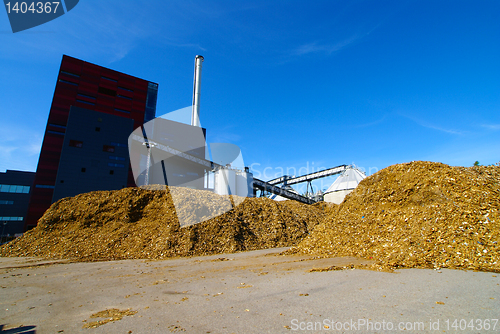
<point x="476" y="163"/>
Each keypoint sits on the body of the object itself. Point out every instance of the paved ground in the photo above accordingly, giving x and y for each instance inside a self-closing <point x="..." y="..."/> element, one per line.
<point x="251" y="292"/>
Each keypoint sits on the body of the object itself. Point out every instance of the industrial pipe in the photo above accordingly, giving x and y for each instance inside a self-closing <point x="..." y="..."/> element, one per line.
<point x="195" y="115"/>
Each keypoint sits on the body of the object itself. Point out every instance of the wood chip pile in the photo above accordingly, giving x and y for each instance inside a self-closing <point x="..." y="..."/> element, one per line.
<point x="417" y="215"/>
<point x="136" y="223"/>
<point x="412" y="215"/>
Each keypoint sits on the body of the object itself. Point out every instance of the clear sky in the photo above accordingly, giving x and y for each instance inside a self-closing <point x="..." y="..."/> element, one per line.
<point x="295" y="84"/>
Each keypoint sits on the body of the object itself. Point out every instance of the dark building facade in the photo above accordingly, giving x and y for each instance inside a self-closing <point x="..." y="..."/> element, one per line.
<point x="94" y="155"/>
<point x="99" y="97"/>
<point x="15" y="189"/>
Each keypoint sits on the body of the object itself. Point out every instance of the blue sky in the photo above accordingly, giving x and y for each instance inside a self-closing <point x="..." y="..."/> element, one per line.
<point x="294" y="84"/>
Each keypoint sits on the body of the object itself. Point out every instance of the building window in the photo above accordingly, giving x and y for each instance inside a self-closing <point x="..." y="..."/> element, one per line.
<point x="68" y="82"/>
<point x="86" y="96"/>
<point x="84" y="169"/>
<point x="57" y="126"/>
<point x="86" y="102"/>
<point x="70" y="74"/>
<point x="97" y="129"/>
<point x="44" y="186"/>
<point x="6" y="202"/>
<point x="151" y="98"/>
<point x="108" y="148"/>
<point x="112" y="157"/>
<point x="7" y="219"/>
<point x="113" y="80"/>
<point x="7" y="188"/>
<point x="55" y="132"/>
<point x="121" y="110"/>
<point x="111" y="172"/>
<point x="124" y="97"/>
<point x="75" y="143"/>
<point x="107" y="91"/>
<point x="126" y="89"/>
<point x="110" y="164"/>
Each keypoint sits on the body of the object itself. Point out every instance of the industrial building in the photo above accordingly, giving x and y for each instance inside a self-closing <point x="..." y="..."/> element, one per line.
<point x="86" y="145"/>
<point x="15" y="190"/>
<point x="93" y="111"/>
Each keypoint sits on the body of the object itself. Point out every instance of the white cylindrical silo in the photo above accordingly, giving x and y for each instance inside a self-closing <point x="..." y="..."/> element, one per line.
<point x="244" y="184"/>
<point x="225" y="182"/>
<point x="336" y="197"/>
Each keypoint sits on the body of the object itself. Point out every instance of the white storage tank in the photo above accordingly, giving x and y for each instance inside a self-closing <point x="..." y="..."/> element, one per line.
<point x="244" y="184"/>
<point x="343" y="185"/>
<point x="336" y="196"/>
<point x="225" y="182"/>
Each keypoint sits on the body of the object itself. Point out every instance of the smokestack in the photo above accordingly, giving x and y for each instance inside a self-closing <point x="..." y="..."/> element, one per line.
<point x="195" y="115"/>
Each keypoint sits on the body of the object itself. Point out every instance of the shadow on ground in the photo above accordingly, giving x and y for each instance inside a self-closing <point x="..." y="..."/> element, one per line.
<point x="18" y="330"/>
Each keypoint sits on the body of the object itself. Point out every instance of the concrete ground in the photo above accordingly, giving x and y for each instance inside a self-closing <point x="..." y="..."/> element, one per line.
<point x="250" y="292"/>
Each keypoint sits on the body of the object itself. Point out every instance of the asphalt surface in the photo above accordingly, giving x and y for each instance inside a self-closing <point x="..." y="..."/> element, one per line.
<point x="250" y="292"/>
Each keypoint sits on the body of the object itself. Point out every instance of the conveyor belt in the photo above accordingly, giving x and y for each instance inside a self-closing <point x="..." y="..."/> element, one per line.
<point x="173" y="151"/>
<point x="308" y="177"/>
<point x="262" y="185"/>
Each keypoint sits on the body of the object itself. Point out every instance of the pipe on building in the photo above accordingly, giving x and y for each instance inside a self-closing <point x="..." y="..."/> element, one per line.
<point x="195" y="115"/>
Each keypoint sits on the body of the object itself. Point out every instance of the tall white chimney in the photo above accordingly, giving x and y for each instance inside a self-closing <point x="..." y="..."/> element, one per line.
<point x="195" y="115"/>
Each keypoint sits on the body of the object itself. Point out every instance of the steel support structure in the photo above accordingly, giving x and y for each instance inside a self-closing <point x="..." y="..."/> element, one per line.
<point x="309" y="177"/>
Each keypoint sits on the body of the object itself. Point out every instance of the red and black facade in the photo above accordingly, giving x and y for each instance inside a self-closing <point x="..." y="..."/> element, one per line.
<point x="85" y="85"/>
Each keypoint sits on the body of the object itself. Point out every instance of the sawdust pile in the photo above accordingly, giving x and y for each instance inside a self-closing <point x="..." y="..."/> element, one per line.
<point x="112" y="314"/>
<point x="417" y="215"/>
<point x="136" y="223"/>
<point x="327" y="208"/>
